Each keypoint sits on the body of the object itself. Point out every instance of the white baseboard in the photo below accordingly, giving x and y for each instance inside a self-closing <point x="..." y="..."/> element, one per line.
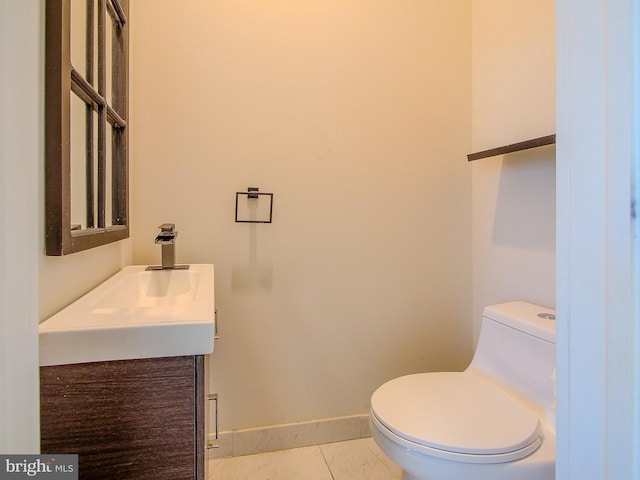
<point x="235" y="443"/>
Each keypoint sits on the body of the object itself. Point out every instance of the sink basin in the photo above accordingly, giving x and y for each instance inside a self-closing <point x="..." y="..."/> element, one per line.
<point x="135" y="314"/>
<point x="143" y="289"/>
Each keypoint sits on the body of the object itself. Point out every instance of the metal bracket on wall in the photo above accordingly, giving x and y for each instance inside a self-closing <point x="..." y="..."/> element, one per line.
<point x="253" y="194"/>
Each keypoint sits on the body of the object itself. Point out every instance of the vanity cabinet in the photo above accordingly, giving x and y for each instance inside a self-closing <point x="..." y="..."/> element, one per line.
<point x="127" y="419"/>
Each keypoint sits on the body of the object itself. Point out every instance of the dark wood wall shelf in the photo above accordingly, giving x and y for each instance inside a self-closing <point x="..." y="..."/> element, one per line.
<point x="514" y="147"/>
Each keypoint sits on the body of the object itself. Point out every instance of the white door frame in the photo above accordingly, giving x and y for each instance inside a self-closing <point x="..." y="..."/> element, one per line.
<point x="597" y="158"/>
<point x="21" y="159"/>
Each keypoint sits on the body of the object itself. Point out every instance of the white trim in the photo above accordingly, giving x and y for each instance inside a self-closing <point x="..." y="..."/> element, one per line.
<point x="635" y="172"/>
<point x="235" y="443"/>
<point x="597" y="333"/>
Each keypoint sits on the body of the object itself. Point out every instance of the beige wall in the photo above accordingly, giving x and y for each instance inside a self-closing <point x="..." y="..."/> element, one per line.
<point x="65" y="279"/>
<point x="356" y="115"/>
<point x="514" y="195"/>
<point x="513" y="71"/>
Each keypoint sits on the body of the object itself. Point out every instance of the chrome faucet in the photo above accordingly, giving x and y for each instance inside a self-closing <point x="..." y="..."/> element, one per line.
<point x="167" y="240"/>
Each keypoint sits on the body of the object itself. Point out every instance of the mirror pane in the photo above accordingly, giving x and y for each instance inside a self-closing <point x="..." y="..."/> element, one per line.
<point x="78" y="170"/>
<point x="92" y="197"/>
<point x="109" y="34"/>
<point x="94" y="6"/>
<point x="84" y="39"/>
<point x="79" y="35"/>
<point x="109" y="175"/>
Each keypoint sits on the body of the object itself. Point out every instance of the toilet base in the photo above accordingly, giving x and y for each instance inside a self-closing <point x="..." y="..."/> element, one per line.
<point x="407" y="476"/>
<point x="540" y="465"/>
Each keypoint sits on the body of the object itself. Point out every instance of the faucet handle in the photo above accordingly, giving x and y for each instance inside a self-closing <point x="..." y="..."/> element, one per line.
<point x="167" y="227"/>
<point x="167" y="233"/>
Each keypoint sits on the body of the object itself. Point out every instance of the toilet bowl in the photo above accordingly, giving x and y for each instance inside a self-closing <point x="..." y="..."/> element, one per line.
<point x="494" y="421"/>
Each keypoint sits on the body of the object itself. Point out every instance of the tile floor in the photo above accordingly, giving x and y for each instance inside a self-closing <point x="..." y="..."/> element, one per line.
<point x="351" y="460"/>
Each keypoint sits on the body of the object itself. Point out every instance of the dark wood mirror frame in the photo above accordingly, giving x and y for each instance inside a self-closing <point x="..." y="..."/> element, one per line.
<point x="62" y="81"/>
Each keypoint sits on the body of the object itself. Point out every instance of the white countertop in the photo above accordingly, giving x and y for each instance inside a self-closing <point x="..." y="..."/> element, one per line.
<point x="135" y="314"/>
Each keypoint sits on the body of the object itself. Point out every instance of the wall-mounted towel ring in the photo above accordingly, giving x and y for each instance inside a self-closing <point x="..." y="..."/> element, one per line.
<point x="254" y="206"/>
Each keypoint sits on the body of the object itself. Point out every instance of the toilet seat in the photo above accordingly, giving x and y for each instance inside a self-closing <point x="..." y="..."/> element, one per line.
<point x="455" y="416"/>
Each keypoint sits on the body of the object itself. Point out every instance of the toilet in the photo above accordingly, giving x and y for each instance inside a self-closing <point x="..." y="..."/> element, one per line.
<point x="493" y="421"/>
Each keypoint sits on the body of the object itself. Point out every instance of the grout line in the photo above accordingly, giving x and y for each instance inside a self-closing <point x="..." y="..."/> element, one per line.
<point x="326" y="462"/>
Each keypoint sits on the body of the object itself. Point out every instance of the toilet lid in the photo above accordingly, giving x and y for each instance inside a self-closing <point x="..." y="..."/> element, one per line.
<point x="458" y="413"/>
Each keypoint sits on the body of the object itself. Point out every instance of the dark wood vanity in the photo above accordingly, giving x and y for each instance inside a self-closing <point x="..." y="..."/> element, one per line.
<point x="127" y="419"/>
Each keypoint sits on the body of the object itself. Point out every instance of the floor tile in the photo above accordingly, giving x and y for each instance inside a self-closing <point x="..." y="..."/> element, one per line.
<point x="305" y="463"/>
<point x="359" y="460"/>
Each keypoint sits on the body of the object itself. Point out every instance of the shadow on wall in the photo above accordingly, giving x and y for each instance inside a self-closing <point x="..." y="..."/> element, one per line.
<point x="254" y="275"/>
<point x="525" y="210"/>
<point x="251" y="278"/>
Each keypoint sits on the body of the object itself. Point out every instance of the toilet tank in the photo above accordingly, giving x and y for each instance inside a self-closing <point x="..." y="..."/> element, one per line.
<point x="517" y="351"/>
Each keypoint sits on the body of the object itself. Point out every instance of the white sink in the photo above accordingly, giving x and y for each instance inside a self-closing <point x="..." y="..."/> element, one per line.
<point x="135" y="314"/>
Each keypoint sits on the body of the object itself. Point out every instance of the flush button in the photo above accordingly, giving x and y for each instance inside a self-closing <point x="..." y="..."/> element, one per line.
<point x="547" y="316"/>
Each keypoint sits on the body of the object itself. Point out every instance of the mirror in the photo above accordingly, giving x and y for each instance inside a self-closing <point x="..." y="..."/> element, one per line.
<point x="86" y="111"/>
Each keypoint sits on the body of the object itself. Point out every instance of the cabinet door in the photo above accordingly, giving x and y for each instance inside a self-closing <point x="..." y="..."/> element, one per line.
<point x="130" y="419"/>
